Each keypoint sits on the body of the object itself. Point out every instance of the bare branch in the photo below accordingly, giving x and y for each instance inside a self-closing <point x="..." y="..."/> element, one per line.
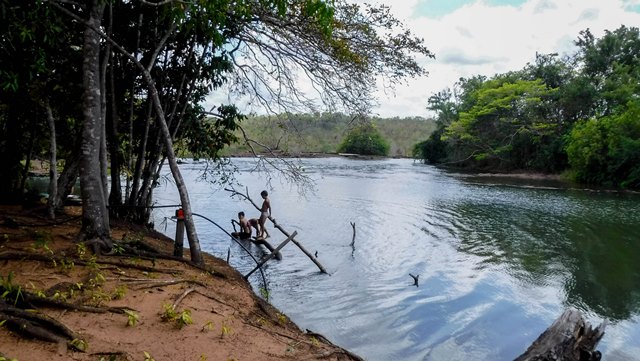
<point x="164" y="2"/>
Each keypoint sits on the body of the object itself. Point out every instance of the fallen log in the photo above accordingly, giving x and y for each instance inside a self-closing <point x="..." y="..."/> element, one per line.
<point x="267" y="245"/>
<point x="569" y="338"/>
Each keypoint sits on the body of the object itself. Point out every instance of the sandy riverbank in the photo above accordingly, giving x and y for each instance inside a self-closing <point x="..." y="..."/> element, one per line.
<point x="160" y="296"/>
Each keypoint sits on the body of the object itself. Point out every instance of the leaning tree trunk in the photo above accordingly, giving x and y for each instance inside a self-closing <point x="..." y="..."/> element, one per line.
<point x="53" y="168"/>
<point x="132" y="197"/>
<point x="67" y="178"/>
<point x="192" y="236"/>
<point x="95" y="217"/>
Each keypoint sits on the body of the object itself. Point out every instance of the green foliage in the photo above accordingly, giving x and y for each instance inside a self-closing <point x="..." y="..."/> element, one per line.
<point x="606" y="151"/>
<point x="4" y="358"/>
<point x="504" y="124"/>
<point x="553" y="114"/>
<point x="10" y="291"/>
<point x="365" y="140"/>
<point x="225" y="330"/>
<point x="208" y="326"/>
<point x="79" y="344"/>
<point x="132" y="318"/>
<point x="205" y="137"/>
<point x="432" y="150"/>
<point x="181" y="319"/>
<point x="264" y="293"/>
<point x="120" y="292"/>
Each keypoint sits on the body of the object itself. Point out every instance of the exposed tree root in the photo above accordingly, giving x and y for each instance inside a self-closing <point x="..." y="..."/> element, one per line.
<point x="35" y="325"/>
<point x="182" y="297"/>
<point x="214" y="299"/>
<point x="26" y="256"/>
<point x="26" y="299"/>
<point x="153" y="256"/>
<point x="341" y="351"/>
<point x="167" y="283"/>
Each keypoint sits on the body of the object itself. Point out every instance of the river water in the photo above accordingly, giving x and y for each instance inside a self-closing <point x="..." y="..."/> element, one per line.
<point x="498" y="260"/>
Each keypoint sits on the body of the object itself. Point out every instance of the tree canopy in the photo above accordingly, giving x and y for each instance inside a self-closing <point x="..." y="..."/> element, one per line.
<point x="124" y="82"/>
<point x="578" y="112"/>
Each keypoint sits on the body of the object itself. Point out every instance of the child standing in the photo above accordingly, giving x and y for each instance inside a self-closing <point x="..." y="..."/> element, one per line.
<point x="265" y="212"/>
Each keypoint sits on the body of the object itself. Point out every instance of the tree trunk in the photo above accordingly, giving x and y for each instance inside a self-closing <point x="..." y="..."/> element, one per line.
<point x="27" y="162"/>
<point x="95" y="218"/>
<point x="140" y="162"/>
<point x="115" y="196"/>
<point x="11" y="139"/>
<point x="104" y="163"/>
<point x="53" y="168"/>
<point x="67" y="178"/>
<point x="129" y="191"/>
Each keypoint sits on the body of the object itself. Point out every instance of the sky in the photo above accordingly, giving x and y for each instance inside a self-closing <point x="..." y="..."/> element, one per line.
<point x="487" y="37"/>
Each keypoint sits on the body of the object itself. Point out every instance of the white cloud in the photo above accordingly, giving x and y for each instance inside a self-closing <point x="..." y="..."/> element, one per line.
<point x="482" y="39"/>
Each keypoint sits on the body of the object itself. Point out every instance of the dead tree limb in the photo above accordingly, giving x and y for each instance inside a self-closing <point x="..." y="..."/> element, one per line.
<point x="277" y="226"/>
<point x="273" y="253"/>
<point x="569" y="338"/>
<point x="353" y="240"/>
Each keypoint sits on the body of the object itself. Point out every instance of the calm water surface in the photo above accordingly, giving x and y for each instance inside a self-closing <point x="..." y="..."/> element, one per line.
<point x="498" y="261"/>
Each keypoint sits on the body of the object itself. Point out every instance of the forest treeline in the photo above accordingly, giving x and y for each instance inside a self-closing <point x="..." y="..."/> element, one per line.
<point x="578" y="114"/>
<point x="325" y="132"/>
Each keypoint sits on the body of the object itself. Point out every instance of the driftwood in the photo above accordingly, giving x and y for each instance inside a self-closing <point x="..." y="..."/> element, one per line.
<point x="569" y="338"/>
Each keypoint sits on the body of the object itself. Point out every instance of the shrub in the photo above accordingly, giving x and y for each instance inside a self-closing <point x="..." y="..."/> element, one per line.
<point x="364" y="140"/>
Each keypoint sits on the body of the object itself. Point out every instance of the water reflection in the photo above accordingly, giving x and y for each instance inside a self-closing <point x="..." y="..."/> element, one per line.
<point x="589" y="246"/>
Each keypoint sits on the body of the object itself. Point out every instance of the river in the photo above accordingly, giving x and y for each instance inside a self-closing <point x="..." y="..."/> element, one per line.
<point x="498" y="260"/>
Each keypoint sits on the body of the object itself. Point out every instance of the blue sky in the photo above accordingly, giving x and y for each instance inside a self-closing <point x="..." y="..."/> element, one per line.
<point x="438" y="8"/>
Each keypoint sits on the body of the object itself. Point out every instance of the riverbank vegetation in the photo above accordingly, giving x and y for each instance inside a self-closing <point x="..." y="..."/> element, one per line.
<point x="578" y="114"/>
<point x="325" y="132"/>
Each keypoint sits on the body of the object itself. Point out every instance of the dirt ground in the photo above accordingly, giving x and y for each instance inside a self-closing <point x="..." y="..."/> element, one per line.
<point x="134" y="304"/>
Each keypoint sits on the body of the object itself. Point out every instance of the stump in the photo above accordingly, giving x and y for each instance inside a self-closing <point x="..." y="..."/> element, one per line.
<point x="569" y="338"/>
